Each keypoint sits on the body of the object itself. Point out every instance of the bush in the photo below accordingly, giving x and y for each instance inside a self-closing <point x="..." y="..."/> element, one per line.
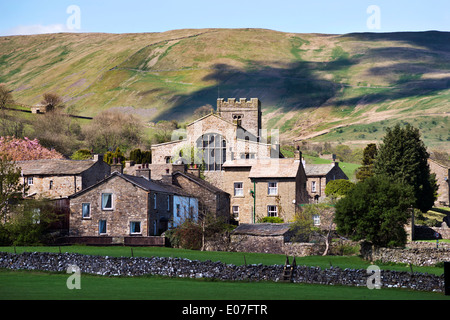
<point x="271" y="220"/>
<point x="338" y="188"/>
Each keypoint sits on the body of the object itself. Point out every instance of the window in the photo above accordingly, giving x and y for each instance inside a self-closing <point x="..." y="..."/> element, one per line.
<point x="102" y="227"/>
<point x="86" y="210"/>
<point x="235" y="211"/>
<point x="168" y="203"/>
<point x="135" y="227"/>
<point x="316" y="219"/>
<point x="50" y="186"/>
<point x="272" y="211"/>
<point x="154" y="201"/>
<point x="238" y="189"/>
<point x="213" y="148"/>
<point x="273" y="188"/>
<point x="313" y="186"/>
<point x="178" y="212"/>
<point x="30" y="181"/>
<point x="107" y="201"/>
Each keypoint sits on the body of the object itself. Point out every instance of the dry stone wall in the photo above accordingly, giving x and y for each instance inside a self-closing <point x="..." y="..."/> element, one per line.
<point x="184" y="268"/>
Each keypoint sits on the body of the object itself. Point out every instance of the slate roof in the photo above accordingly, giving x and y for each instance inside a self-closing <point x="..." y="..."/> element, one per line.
<point x="318" y="169"/>
<point x="54" y="166"/>
<point x="267" y="168"/>
<point x="140" y="182"/>
<point x="262" y="229"/>
<point x="202" y="183"/>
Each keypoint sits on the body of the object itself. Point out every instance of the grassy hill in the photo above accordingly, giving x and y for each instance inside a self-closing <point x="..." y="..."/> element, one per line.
<point x="312" y="86"/>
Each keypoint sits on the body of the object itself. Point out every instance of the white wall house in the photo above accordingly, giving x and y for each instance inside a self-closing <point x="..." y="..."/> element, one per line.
<point x="184" y="207"/>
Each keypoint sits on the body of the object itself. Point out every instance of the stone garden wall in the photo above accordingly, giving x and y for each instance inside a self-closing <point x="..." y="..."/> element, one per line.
<point x="415" y="253"/>
<point x="184" y="268"/>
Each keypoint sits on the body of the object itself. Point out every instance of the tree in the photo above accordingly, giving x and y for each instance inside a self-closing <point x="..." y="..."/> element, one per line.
<point x="10" y="187"/>
<point x="376" y="210"/>
<point x="203" y="111"/>
<point x="5" y="97"/>
<point x="338" y="188"/>
<point x="110" y="130"/>
<point x="52" y="101"/>
<point x="366" y="170"/>
<point x="164" y="129"/>
<point x="26" y="149"/>
<point x="58" y="131"/>
<point x="403" y="157"/>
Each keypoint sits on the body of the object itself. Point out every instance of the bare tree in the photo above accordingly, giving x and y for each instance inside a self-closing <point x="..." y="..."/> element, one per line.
<point x="52" y="101"/>
<point x="5" y="97"/>
<point x="109" y="130"/>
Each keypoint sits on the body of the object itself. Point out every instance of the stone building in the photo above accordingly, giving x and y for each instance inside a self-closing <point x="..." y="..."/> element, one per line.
<point x="442" y="172"/>
<point x="318" y="176"/>
<point x="128" y="206"/>
<point x="56" y="178"/>
<point x="212" y="200"/>
<point x="234" y="132"/>
<point x="265" y="188"/>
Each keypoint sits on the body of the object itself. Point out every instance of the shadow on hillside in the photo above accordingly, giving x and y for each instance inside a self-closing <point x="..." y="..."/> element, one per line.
<point x="295" y="85"/>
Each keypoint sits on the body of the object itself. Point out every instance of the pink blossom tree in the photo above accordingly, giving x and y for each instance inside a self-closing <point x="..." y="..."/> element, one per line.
<point x="26" y="149"/>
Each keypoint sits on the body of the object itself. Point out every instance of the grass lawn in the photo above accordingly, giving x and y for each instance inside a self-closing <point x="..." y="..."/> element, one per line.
<point x="32" y="285"/>
<point x="27" y="285"/>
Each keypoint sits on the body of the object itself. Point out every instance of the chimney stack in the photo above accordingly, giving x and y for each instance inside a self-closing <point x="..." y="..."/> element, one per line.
<point x="144" y="172"/>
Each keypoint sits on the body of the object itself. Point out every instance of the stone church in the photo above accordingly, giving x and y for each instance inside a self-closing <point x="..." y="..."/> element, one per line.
<point x="216" y="141"/>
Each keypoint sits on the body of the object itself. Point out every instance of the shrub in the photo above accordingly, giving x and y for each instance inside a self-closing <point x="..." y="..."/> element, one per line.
<point x="271" y="220"/>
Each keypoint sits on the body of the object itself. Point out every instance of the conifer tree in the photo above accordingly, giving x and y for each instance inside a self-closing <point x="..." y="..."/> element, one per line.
<point x="403" y="157"/>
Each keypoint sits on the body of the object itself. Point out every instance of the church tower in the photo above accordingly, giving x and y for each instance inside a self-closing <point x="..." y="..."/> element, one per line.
<point x="245" y="113"/>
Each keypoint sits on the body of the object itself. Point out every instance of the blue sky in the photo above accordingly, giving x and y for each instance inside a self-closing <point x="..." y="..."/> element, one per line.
<point x="321" y="16"/>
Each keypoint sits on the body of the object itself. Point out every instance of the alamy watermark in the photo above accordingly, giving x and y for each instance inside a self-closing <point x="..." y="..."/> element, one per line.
<point x="74" y="281"/>
<point x="74" y="20"/>
<point x="373" y="22"/>
<point x="374" y="279"/>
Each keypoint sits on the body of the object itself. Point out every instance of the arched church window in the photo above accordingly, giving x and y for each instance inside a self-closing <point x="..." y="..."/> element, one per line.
<point x="213" y="147"/>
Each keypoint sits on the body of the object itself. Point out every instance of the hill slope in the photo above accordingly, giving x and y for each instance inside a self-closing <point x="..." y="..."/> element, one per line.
<point x="346" y="87"/>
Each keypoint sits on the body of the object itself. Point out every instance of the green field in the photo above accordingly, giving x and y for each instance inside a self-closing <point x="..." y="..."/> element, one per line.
<point x="52" y="286"/>
<point x="27" y="285"/>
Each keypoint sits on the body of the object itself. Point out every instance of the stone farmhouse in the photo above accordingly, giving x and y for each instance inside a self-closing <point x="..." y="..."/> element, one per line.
<point x="123" y="206"/>
<point x="55" y="179"/>
<point x="265" y="188"/>
<point x="442" y="172"/>
<point x="318" y="176"/>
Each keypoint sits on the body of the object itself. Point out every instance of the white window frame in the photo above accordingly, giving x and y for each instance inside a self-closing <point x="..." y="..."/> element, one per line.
<point x="235" y="211"/>
<point x="313" y="186"/>
<point x="272" y="190"/>
<point x="316" y="219"/>
<point x="131" y="227"/>
<point x="272" y="211"/>
<point x="30" y="181"/>
<point x="106" y="227"/>
<point x="89" y="210"/>
<point x="178" y="210"/>
<point x="238" y="192"/>
<point x="103" y="204"/>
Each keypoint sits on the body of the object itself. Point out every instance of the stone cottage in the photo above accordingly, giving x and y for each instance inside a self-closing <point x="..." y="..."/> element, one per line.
<point x="265" y="188"/>
<point x="56" y="178"/>
<point x="122" y="206"/>
<point x="318" y="176"/>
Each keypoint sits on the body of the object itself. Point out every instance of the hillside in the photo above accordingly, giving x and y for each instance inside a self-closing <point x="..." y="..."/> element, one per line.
<point x="318" y="86"/>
